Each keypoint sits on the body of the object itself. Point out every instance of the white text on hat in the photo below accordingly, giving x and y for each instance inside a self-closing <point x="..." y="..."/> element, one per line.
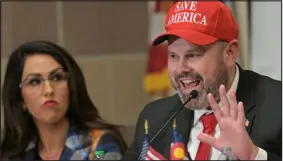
<point x="190" y="17"/>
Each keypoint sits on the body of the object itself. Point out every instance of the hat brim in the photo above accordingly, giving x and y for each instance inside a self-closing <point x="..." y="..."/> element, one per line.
<point x="191" y="36"/>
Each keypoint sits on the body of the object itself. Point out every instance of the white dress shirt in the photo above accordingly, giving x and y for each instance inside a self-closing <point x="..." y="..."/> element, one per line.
<point x="197" y="128"/>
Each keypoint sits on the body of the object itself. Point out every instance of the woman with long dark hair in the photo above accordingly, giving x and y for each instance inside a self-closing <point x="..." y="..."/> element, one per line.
<point x="48" y="114"/>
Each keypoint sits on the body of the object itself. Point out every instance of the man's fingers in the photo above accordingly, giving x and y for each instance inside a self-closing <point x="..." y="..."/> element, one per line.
<point x="241" y="114"/>
<point x="214" y="106"/>
<point x="208" y="139"/>
<point x="224" y="101"/>
<point x="234" y="106"/>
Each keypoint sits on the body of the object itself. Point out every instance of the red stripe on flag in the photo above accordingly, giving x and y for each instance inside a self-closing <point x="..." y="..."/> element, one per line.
<point x="156" y="154"/>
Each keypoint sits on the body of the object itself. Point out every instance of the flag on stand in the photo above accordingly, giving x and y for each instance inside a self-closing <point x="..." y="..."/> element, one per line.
<point x="178" y="150"/>
<point x="156" y="80"/>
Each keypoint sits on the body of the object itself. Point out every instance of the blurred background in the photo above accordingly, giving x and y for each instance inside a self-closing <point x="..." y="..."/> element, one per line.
<point x="111" y="43"/>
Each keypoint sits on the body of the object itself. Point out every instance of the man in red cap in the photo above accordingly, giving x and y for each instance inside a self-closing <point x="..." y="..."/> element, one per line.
<point x="237" y="113"/>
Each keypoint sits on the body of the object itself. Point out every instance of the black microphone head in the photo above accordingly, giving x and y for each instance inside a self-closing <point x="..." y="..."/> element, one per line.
<point x="193" y="94"/>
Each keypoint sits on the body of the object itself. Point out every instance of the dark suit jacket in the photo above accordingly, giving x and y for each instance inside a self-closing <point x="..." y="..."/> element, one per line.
<point x="261" y="96"/>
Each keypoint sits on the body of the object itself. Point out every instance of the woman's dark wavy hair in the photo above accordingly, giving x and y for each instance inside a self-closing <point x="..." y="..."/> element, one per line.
<point x="18" y="127"/>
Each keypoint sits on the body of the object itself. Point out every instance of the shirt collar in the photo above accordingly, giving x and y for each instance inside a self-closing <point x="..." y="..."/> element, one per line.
<point x="234" y="86"/>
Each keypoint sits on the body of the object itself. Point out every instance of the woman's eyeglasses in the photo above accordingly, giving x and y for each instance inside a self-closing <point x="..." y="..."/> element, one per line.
<point x="36" y="81"/>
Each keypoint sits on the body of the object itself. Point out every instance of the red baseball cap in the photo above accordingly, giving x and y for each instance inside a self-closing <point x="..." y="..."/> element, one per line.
<point x="199" y="22"/>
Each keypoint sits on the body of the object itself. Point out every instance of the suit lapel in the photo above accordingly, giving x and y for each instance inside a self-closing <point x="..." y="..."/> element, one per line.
<point x="246" y="94"/>
<point x="185" y="122"/>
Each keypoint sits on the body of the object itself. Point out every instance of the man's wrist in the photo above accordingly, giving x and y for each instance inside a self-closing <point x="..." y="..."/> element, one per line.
<point x="254" y="153"/>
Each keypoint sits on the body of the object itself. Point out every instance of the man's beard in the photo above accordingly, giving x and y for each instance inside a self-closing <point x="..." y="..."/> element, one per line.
<point x="206" y="87"/>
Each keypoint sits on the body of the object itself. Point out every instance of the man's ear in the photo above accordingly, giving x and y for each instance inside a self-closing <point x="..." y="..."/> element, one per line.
<point x="231" y="52"/>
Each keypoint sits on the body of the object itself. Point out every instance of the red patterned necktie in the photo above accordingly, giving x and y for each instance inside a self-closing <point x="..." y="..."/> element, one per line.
<point x="209" y="123"/>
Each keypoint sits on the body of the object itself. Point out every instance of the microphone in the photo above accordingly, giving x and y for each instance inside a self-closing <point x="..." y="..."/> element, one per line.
<point x="192" y="95"/>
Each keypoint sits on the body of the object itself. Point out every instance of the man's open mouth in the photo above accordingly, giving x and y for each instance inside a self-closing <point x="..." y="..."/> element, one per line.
<point x="188" y="84"/>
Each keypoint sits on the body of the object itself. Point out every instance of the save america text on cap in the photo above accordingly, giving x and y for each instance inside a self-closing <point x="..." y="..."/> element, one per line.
<point x="199" y="22"/>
